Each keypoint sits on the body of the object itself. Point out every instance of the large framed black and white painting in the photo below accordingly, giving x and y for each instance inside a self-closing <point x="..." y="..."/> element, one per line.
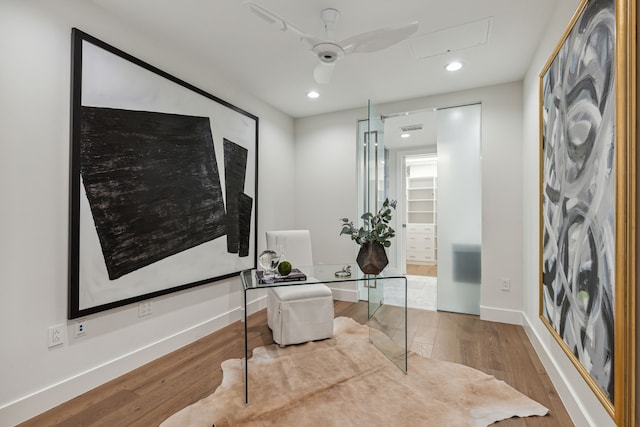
<point x="587" y="297"/>
<point x="163" y="182"/>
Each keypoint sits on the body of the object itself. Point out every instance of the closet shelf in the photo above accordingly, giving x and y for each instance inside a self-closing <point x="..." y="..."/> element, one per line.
<point x="421" y="200"/>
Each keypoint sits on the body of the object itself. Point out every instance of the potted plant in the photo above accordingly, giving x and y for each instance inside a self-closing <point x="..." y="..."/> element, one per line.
<point x="373" y="237"/>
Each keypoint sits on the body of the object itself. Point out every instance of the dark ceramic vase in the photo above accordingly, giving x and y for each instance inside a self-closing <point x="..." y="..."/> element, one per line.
<point x="372" y="258"/>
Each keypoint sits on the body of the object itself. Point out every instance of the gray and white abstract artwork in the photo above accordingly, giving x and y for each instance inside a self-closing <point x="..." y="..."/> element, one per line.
<point x="578" y="194"/>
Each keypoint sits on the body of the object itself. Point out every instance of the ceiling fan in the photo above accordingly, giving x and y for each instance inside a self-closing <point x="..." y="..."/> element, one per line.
<point x="327" y="50"/>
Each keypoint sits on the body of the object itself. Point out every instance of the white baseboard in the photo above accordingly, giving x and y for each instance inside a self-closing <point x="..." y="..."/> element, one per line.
<point x="51" y="396"/>
<point x="492" y="314"/>
<point x="349" y="295"/>
<point x="565" y="391"/>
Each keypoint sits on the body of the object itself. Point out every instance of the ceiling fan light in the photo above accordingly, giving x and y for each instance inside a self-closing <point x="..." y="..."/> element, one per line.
<point x="323" y="71"/>
<point x="312" y="94"/>
<point x="327" y="51"/>
<point x="327" y="56"/>
<point x="453" y="66"/>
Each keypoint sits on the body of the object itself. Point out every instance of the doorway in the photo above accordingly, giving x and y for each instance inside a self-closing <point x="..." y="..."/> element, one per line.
<point x="437" y="182"/>
<point x="421" y="182"/>
<point x="412" y="142"/>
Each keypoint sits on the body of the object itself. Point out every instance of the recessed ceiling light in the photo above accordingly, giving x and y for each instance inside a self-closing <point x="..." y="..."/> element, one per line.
<point x="453" y="66"/>
<point x="312" y="94"/>
<point x="405" y="135"/>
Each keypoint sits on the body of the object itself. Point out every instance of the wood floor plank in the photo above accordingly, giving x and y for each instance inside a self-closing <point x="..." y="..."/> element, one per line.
<point x="426" y="327"/>
<point x="494" y="349"/>
<point x="468" y="329"/>
<point x="148" y="395"/>
<point x="422" y="270"/>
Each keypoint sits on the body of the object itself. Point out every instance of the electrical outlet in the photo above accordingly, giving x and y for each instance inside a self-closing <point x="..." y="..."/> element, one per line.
<point x="506" y="285"/>
<point x="80" y="329"/>
<point x="57" y="335"/>
<point x="144" y="309"/>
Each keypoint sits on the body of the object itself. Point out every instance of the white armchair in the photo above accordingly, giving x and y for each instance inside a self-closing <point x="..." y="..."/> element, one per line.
<point x="298" y="314"/>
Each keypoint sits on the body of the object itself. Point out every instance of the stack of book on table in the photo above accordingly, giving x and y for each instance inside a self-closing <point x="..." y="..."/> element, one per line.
<point x="295" y="276"/>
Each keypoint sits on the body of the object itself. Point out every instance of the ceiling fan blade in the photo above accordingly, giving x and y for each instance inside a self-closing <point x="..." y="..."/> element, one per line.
<point x="283" y="24"/>
<point x="323" y="72"/>
<point x="375" y="40"/>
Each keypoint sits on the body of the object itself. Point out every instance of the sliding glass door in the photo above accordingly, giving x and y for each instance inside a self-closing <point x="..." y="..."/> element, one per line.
<point x="459" y="209"/>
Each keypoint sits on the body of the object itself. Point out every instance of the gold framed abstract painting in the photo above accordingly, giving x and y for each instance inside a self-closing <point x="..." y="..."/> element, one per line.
<point x="588" y="193"/>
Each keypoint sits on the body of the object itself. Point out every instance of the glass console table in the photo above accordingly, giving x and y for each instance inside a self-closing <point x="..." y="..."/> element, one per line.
<point x="387" y="322"/>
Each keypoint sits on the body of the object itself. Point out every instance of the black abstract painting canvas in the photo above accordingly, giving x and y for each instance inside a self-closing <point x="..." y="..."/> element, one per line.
<point x="163" y="182"/>
<point x="235" y="158"/>
<point x="152" y="183"/>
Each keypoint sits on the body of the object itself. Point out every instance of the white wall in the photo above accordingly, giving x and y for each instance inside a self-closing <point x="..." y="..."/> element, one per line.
<point x="580" y="401"/>
<point x="35" y="40"/>
<point x="325" y="186"/>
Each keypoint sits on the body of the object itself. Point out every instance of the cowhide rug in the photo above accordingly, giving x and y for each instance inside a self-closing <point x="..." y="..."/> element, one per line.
<point x="346" y="381"/>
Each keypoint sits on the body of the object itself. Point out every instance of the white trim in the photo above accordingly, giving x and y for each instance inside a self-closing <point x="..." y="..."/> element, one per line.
<point x="563" y="386"/>
<point x="53" y="395"/>
<point x="493" y="314"/>
<point x="566" y="392"/>
<point x="350" y="295"/>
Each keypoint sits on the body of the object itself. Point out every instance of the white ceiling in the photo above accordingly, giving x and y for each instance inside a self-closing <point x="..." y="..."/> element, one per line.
<point x="277" y="68"/>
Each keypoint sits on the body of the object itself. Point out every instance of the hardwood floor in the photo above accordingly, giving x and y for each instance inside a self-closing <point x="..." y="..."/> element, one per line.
<point x="151" y="393"/>
<point x="422" y="270"/>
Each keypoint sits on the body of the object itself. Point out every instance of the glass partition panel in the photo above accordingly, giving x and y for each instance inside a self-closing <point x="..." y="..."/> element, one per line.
<point x="459" y="209"/>
<point x="387" y="322"/>
<point x="375" y="185"/>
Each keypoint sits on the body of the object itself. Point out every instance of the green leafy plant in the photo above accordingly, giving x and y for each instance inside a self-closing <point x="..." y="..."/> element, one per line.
<point x="375" y="229"/>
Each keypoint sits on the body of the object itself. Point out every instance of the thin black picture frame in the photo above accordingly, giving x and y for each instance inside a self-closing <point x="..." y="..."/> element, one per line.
<point x="163" y="182"/>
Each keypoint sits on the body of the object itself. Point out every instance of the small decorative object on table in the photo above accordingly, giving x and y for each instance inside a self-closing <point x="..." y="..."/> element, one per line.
<point x="373" y="238"/>
<point x="345" y="272"/>
<point x="269" y="260"/>
<point x="284" y="268"/>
